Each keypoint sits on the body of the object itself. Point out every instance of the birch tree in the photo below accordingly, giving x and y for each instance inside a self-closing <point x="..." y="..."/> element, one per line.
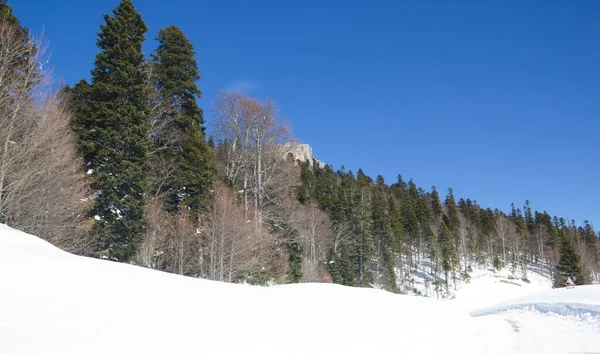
<point x="253" y="139"/>
<point x="505" y="230"/>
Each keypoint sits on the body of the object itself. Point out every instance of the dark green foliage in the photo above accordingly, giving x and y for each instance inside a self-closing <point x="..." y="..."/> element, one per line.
<point x="569" y="262"/>
<point x="6" y="14"/>
<point x="448" y="252"/>
<point x="529" y="220"/>
<point x="382" y="226"/>
<point x="325" y="190"/>
<point x="436" y="206"/>
<point x="362" y="220"/>
<point x="591" y="240"/>
<point x="497" y="263"/>
<point x="410" y="223"/>
<point x="112" y="122"/>
<point x="340" y="266"/>
<point x="383" y="233"/>
<point x="290" y="239"/>
<point x="179" y="139"/>
<point x="453" y="223"/>
<point x="398" y="233"/>
<point x="308" y="183"/>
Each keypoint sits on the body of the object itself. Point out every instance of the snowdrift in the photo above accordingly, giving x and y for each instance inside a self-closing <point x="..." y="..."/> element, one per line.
<point x="582" y="302"/>
<point x="55" y="302"/>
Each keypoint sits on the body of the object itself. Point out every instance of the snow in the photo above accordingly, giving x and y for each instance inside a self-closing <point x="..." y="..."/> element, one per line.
<point x="498" y="286"/>
<point x="582" y="302"/>
<point x="55" y="302"/>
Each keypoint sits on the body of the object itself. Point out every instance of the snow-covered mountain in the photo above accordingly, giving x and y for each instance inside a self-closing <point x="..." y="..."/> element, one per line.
<point x="55" y="302"/>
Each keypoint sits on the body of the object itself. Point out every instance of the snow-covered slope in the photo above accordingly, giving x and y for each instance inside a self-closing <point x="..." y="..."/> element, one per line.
<point x="54" y="302"/>
<point x="488" y="287"/>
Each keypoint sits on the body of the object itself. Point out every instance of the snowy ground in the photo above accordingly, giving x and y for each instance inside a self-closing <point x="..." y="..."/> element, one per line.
<point x="54" y="302"/>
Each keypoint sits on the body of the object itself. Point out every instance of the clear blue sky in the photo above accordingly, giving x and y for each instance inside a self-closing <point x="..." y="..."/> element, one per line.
<point x="499" y="100"/>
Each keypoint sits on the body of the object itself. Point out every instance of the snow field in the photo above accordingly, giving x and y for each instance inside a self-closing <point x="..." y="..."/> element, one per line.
<point x="55" y="302"/>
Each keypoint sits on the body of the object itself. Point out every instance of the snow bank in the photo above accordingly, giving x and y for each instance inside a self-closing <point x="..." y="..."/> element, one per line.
<point x="582" y="302"/>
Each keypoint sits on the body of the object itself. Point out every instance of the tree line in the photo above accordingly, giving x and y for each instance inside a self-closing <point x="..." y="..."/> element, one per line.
<point x="120" y="167"/>
<point x="384" y="232"/>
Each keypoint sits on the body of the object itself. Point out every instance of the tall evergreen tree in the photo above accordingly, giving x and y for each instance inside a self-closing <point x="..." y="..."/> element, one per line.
<point x="436" y="206"/>
<point x="180" y="138"/>
<point x="591" y="240"/>
<point x="449" y="254"/>
<point x="383" y="234"/>
<point x="453" y="222"/>
<point x="290" y="239"/>
<point x="308" y="182"/>
<point x="112" y="124"/>
<point x="363" y="226"/>
<point x="569" y="263"/>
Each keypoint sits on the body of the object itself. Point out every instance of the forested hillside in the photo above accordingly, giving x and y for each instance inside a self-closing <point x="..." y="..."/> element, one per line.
<point x="120" y="166"/>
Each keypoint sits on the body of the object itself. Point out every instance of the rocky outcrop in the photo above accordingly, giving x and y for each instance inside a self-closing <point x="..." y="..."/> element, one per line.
<point x="299" y="152"/>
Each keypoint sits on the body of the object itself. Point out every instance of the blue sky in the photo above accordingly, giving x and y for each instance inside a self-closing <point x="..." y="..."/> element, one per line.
<point x="499" y="100"/>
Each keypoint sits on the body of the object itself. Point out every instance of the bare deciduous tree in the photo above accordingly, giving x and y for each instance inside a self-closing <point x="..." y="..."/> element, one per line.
<point x="169" y="242"/>
<point x="42" y="185"/>
<point x="505" y="230"/>
<point x="151" y="249"/>
<point x="229" y="249"/>
<point x="253" y="140"/>
<point x="315" y="230"/>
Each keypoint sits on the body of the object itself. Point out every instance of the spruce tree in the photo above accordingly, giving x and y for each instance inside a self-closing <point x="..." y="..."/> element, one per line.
<point x="453" y="221"/>
<point x="384" y="234"/>
<point x="112" y="123"/>
<point x="180" y="138"/>
<point x="308" y="182"/>
<point x="569" y="262"/>
<point x="290" y="239"/>
<point x="591" y="240"/>
<point x="363" y="226"/>
<point x="340" y="267"/>
<point x="436" y="206"/>
<point x="449" y="254"/>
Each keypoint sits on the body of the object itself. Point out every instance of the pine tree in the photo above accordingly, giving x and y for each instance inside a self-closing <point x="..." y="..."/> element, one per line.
<point x="180" y="138"/>
<point x="449" y="254"/>
<point x="363" y="226"/>
<point x="308" y="179"/>
<point x="591" y="241"/>
<point x="325" y="193"/>
<point x="112" y="125"/>
<point x="453" y="222"/>
<point x="384" y="234"/>
<point x="449" y="238"/>
<point x="290" y="239"/>
<point x="569" y="262"/>
<point x="436" y="206"/>
<point x="340" y="266"/>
